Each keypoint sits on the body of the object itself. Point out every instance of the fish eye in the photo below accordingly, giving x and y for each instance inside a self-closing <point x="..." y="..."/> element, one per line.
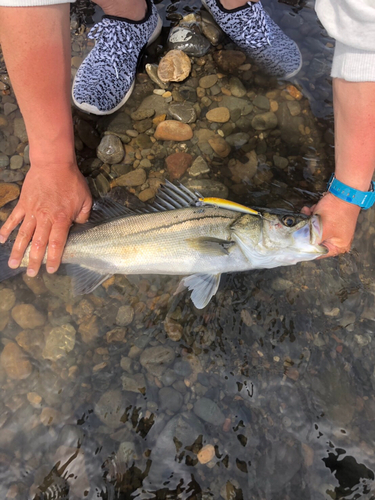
<point x="289" y="220"/>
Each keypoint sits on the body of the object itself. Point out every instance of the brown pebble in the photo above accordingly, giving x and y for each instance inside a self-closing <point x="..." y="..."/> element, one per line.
<point x="15" y="362"/>
<point x="206" y="454"/>
<point x="8" y="192"/>
<point x="220" y="146"/>
<point x="177" y="164"/>
<point x="173" y="130"/>
<point x="175" y="66"/>
<point x="227" y="425"/>
<point x="229" y="60"/>
<point x="294" y="92"/>
<point x="218" y="115"/>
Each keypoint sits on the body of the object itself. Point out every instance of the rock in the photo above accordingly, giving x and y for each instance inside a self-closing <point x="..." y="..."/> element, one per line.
<point x="206" y="454"/>
<point x="177" y="164"/>
<point x="31" y="341"/>
<point x="173" y="329"/>
<point x="207" y="188"/>
<point x="125" y="315"/>
<point x="7" y="299"/>
<point x="244" y="171"/>
<point x="20" y="129"/>
<point x="8" y="192"/>
<point x="134" y="178"/>
<point x="89" y="329"/>
<point x="189" y="41"/>
<point x="199" y="167"/>
<point x="156" y="103"/>
<point x="87" y="134"/>
<point x="15" y="362"/>
<point x="27" y="316"/>
<point x="173" y="130"/>
<point x="218" y="115"/>
<point x="4" y="160"/>
<point x="11" y="176"/>
<point x="156" y="359"/>
<point x="143" y="125"/>
<point x="175" y="66"/>
<point x="236" y="87"/>
<point x="9" y="108"/>
<point x="152" y="71"/>
<point x="126" y="454"/>
<point x="208" y="81"/>
<point x="210" y="29"/>
<point x="234" y="103"/>
<point x="289" y="125"/>
<point x="142" y="114"/>
<point x="170" y="399"/>
<point x="261" y="102"/>
<point x="147" y="194"/>
<point x="294" y="92"/>
<point x="229" y="60"/>
<point x="4" y="319"/>
<point x="112" y="408"/>
<point x="60" y="340"/>
<point x="203" y="135"/>
<point x="220" y="146"/>
<point x="16" y="162"/>
<point x="264" y="121"/>
<point x="134" y="383"/>
<point x="59" y="286"/>
<point x="8" y="145"/>
<point x="280" y="162"/>
<point x="207" y="410"/>
<point x="110" y="149"/>
<point x="294" y="107"/>
<point x="182" y="111"/>
<point x="237" y="140"/>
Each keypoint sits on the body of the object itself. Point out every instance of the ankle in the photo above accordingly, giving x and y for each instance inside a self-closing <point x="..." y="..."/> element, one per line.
<point x="134" y="10"/>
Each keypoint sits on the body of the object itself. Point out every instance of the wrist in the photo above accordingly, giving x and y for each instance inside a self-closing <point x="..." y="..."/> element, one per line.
<point x="362" y="198"/>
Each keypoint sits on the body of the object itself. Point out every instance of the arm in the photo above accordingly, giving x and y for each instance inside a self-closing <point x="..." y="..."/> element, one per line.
<point x="36" y="47"/>
<point x="354" y="110"/>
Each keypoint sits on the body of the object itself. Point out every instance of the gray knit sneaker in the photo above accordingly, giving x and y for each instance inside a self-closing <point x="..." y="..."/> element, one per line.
<point x="105" y="79"/>
<point x="252" y="29"/>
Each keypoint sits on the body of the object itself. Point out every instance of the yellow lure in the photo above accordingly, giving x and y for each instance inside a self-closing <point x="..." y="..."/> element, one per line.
<point x="230" y="205"/>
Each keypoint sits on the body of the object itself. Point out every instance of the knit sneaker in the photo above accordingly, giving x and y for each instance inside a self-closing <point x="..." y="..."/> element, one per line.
<point x="105" y="79"/>
<point x="252" y="29"/>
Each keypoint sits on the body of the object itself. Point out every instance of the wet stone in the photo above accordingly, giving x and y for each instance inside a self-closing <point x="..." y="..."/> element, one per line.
<point x="126" y="453"/>
<point x="236" y="87"/>
<point x="8" y="192"/>
<point x="152" y="71"/>
<point x="134" y="178"/>
<point x="8" y="145"/>
<point x="59" y="286"/>
<point x="280" y="162"/>
<point x="142" y="114"/>
<point x="199" y="167"/>
<point x="15" y="362"/>
<point x="294" y="107"/>
<point x="237" y="140"/>
<point x="88" y="134"/>
<point x="173" y="329"/>
<point x="206" y="454"/>
<point x="154" y="102"/>
<point x="156" y="359"/>
<point x="4" y="160"/>
<point x="183" y="112"/>
<point x="102" y="184"/>
<point x="134" y="383"/>
<point x="11" y="176"/>
<point x="125" y="315"/>
<point x="208" y="188"/>
<point x="234" y="103"/>
<point x="229" y="60"/>
<point x="120" y="169"/>
<point x="4" y="319"/>
<point x="189" y="41"/>
<point x="110" y="150"/>
<point x="173" y="130"/>
<point x="218" y="115"/>
<point x="7" y="299"/>
<point x="264" y="121"/>
<point x="220" y="146"/>
<point x="27" y="316"/>
<point x="111" y="408"/>
<point x="208" y="410"/>
<point x="9" y="108"/>
<point x="20" y="129"/>
<point x="261" y="102"/>
<point x="177" y="164"/>
<point x="208" y="81"/>
<point x="175" y="66"/>
<point x="170" y="399"/>
<point x="31" y="341"/>
<point x="60" y="340"/>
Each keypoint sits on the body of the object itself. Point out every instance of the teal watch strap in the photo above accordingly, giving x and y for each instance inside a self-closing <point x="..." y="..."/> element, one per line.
<point x="364" y="199"/>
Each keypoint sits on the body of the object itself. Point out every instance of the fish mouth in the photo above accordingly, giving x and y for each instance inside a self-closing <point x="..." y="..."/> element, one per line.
<point x="308" y="237"/>
<point x="316" y="234"/>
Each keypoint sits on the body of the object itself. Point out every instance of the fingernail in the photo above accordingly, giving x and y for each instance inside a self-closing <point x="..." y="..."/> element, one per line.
<point x="50" y="270"/>
<point x="2" y="239"/>
<point x="31" y="273"/>
<point x="13" y="263"/>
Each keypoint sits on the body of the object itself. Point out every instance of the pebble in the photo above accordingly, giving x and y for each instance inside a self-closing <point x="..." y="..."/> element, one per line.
<point x="199" y="167"/>
<point x="152" y="71"/>
<point x="27" y="316"/>
<point x="220" y="146"/>
<point x="189" y="41"/>
<point x="261" y="102"/>
<point x="8" y="145"/>
<point x="175" y="66"/>
<point x="294" y="92"/>
<point x="236" y="87"/>
<point x="15" y="362"/>
<point x="229" y="60"/>
<point x="134" y="383"/>
<point x="9" y="108"/>
<point x="208" y="81"/>
<point x="50" y="416"/>
<point x="16" y="162"/>
<point x="237" y="140"/>
<point x="170" y="399"/>
<point x="59" y="341"/>
<point x="206" y="454"/>
<point x="218" y="115"/>
<point x="134" y="178"/>
<point x="280" y="162"/>
<point x="19" y="129"/>
<point x="111" y="408"/>
<point x="4" y="160"/>
<point x="183" y="112"/>
<point x="125" y="315"/>
<point x="142" y="114"/>
<point x="264" y="121"/>
<point x="243" y="172"/>
<point x="173" y="329"/>
<point x="34" y="399"/>
<point x="147" y="194"/>
<point x="11" y="176"/>
<point x="294" y="107"/>
<point x="208" y="410"/>
<point x="7" y="299"/>
<point x="126" y="454"/>
<point x="110" y="149"/>
<point x="177" y="164"/>
<point x="173" y="130"/>
<point x="156" y="359"/>
<point x="212" y="33"/>
<point x="155" y="102"/>
<point x="8" y="192"/>
<point x="87" y="134"/>
<point x="4" y="319"/>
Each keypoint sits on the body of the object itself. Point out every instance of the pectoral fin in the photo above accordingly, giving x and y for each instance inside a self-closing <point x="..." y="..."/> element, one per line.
<point x="84" y="280"/>
<point x="203" y="286"/>
<point x="210" y="246"/>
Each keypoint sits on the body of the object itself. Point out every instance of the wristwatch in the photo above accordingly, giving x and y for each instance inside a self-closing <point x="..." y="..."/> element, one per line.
<point x="364" y="199"/>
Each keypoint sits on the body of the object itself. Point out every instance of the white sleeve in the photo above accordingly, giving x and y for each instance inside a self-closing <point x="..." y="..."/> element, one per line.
<point x="352" y="24"/>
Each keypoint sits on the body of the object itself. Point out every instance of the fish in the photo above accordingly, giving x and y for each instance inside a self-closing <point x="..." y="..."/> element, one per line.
<point x="182" y="233"/>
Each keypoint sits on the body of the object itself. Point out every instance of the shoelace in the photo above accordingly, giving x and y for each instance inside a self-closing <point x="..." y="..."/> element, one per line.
<point x="256" y="32"/>
<point x="116" y="40"/>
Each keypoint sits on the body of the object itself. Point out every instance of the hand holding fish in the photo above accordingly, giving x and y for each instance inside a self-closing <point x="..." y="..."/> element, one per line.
<point x="52" y="197"/>
<point x="339" y="220"/>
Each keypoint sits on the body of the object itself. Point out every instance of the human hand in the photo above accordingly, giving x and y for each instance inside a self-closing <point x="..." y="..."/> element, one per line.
<point x="339" y="220"/>
<point x="52" y="197"/>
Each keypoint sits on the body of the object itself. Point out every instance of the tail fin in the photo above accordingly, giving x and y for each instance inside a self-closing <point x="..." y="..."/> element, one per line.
<point x="5" y="271"/>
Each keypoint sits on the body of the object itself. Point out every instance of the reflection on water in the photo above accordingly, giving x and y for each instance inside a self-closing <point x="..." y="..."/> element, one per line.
<point x="268" y="393"/>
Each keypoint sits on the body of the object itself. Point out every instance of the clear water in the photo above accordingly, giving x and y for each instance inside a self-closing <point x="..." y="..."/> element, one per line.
<point x="284" y="358"/>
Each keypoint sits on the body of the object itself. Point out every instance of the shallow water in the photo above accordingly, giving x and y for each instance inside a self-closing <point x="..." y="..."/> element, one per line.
<point x="113" y="395"/>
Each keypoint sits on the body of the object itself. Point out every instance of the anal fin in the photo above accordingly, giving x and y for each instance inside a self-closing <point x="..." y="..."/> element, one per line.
<point x="84" y="280"/>
<point x="203" y="286"/>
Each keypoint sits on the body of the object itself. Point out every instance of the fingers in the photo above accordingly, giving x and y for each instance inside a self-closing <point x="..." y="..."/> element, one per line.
<point x="11" y="223"/>
<point x="38" y="245"/>
<point x="57" y="240"/>
<point x="24" y="236"/>
<point x="85" y="212"/>
<point x="308" y="210"/>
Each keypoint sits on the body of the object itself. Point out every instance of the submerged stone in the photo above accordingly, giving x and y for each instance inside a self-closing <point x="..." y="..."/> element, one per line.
<point x="189" y="41"/>
<point x="15" y="362"/>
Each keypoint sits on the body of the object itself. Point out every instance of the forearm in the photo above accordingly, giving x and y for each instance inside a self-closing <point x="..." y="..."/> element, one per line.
<point x="354" y="108"/>
<point x="36" y="47"/>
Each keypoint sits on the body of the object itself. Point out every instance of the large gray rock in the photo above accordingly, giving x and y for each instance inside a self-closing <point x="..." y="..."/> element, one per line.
<point x="208" y="410"/>
<point x="110" y="150"/>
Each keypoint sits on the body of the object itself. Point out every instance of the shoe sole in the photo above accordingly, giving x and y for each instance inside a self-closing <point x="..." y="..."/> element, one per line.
<point x="284" y="77"/>
<point x="88" y="108"/>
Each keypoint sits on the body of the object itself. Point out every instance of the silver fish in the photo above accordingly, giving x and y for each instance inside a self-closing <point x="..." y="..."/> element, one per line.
<point x="182" y="235"/>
